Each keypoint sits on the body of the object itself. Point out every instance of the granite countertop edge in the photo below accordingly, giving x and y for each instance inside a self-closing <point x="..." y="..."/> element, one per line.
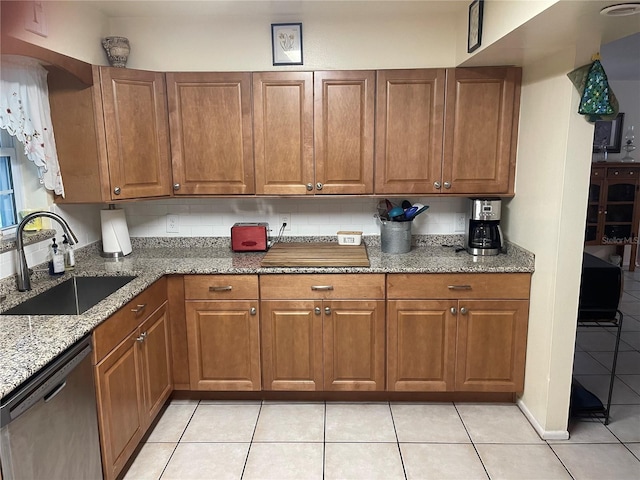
<point x="28" y="343"/>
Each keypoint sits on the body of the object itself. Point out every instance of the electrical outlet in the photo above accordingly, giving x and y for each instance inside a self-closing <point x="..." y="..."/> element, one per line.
<point x="285" y="218"/>
<point x="173" y="223"/>
<point x="460" y="223"/>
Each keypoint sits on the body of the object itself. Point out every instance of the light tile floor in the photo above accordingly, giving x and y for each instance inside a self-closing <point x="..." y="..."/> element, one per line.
<point x="365" y="441"/>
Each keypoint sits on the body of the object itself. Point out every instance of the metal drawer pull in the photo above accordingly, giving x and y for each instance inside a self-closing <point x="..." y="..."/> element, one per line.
<point x="253" y="311"/>
<point x="317" y="310"/>
<point x="454" y="311"/>
<point x="321" y="287"/>
<point x="327" y="311"/>
<point x="459" y="287"/>
<point x="463" y="311"/>
<point x="226" y="288"/>
<point x="139" y="308"/>
<point x="142" y="336"/>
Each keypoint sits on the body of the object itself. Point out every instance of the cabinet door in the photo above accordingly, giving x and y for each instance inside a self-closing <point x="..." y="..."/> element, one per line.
<point x="283" y="132"/>
<point x="409" y="123"/>
<point x="491" y="345"/>
<point x="156" y="361"/>
<point x="291" y="345"/>
<point x="595" y="207"/>
<point x="120" y="400"/>
<point x="480" y="131"/>
<point x="137" y="132"/>
<point x="344" y="105"/>
<point x="354" y="345"/>
<point x="421" y="345"/>
<point x="211" y="133"/>
<point x="224" y="345"/>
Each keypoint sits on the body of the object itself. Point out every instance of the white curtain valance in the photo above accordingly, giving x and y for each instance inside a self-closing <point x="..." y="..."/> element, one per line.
<point x="25" y="114"/>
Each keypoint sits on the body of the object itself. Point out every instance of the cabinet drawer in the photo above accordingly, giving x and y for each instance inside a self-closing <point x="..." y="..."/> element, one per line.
<point x="360" y="286"/>
<point x="623" y="172"/>
<point x="456" y="285"/>
<point x="597" y="172"/>
<point x="224" y="287"/>
<point x="113" y="330"/>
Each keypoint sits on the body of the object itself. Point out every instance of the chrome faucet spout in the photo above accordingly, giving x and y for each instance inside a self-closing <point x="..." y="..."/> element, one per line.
<point x="23" y="278"/>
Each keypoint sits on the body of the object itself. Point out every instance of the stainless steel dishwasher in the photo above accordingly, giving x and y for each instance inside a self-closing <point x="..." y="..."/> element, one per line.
<point x="49" y="426"/>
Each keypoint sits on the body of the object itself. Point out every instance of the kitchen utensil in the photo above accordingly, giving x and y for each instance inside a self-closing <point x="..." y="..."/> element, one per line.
<point x="406" y="204"/>
<point x="395" y="212"/>
<point x="422" y="208"/>
<point x="389" y="204"/>
<point x="410" y="212"/>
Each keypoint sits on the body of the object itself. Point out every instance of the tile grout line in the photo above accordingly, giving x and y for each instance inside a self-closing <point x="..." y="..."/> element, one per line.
<point x="475" y="449"/>
<point x="395" y="431"/>
<point x="253" y="434"/>
<point x="179" y="440"/>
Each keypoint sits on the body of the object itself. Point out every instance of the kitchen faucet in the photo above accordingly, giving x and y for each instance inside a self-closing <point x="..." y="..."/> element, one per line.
<point x="24" y="280"/>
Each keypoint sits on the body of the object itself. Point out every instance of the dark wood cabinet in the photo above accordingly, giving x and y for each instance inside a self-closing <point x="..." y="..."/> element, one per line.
<point x="613" y="209"/>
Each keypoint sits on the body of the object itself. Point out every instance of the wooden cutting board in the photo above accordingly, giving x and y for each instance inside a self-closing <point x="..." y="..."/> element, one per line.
<point x="316" y="254"/>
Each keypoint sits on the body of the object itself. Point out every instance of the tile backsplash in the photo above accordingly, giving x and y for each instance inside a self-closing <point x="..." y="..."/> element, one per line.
<point x="214" y="217"/>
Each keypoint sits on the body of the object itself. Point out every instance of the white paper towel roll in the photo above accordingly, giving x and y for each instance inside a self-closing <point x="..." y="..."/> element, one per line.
<point x="115" y="234"/>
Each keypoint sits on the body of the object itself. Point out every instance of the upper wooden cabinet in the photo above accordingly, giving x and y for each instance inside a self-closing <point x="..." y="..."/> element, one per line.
<point x="115" y="145"/>
<point x="211" y="133"/>
<point x="344" y="104"/>
<point x="455" y="140"/>
<point x="302" y="115"/>
<point x="283" y="129"/>
<point x="481" y="129"/>
<point x="409" y="124"/>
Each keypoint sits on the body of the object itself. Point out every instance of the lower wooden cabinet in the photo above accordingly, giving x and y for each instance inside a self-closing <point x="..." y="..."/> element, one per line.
<point x="461" y="339"/>
<point x="224" y="345"/>
<point x="223" y="332"/>
<point x="323" y="342"/>
<point x="133" y="378"/>
<point x="491" y="340"/>
<point x="421" y="346"/>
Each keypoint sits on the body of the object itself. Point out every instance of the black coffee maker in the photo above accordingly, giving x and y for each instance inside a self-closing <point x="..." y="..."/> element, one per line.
<point x="484" y="236"/>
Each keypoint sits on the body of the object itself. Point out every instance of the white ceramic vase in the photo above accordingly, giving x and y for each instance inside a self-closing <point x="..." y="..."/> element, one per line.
<point x="117" y="49"/>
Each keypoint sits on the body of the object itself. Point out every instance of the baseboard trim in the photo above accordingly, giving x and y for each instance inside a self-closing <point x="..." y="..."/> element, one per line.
<point x="544" y="434"/>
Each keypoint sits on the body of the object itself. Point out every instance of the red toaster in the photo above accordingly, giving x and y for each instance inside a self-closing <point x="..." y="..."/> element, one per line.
<point x="249" y="237"/>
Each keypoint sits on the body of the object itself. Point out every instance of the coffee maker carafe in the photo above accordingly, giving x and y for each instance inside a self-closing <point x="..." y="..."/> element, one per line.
<point x="484" y="236"/>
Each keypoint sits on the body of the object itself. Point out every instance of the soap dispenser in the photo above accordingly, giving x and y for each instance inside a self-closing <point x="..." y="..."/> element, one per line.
<point x="56" y="262"/>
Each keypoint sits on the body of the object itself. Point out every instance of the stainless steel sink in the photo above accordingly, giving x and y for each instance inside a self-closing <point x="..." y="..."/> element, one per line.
<point x="71" y="297"/>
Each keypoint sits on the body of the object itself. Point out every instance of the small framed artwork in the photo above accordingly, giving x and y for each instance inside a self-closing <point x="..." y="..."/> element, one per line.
<point x="286" y="43"/>
<point x="474" y="35"/>
<point x="608" y="133"/>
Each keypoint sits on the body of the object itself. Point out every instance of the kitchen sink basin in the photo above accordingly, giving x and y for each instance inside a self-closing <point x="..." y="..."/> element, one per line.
<point x="71" y="297"/>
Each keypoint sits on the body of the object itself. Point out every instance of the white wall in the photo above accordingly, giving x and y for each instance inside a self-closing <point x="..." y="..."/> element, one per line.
<point x="547" y="217"/>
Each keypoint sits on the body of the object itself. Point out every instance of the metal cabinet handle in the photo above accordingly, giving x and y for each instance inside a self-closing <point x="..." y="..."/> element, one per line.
<point x="327" y="311"/>
<point x="253" y="311"/>
<point x="117" y="190"/>
<point x="142" y="336"/>
<point x="319" y="186"/>
<point x="309" y="186"/>
<point x="447" y="185"/>
<point x="437" y="185"/>
<point x="454" y="311"/>
<point x="176" y="187"/>
<point x="616" y="172"/>
<point x="139" y="308"/>
<point x="226" y="288"/>
<point x="317" y="310"/>
<point x="321" y="287"/>
<point x="459" y="287"/>
<point x="463" y="311"/>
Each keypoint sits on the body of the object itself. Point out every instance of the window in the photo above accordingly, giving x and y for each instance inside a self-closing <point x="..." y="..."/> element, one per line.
<point x="10" y="200"/>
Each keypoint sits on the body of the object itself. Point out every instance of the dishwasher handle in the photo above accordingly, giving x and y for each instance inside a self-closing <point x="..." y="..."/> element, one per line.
<point x="46" y="384"/>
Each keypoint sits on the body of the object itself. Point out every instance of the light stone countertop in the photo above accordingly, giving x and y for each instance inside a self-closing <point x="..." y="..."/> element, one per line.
<point x="28" y="343"/>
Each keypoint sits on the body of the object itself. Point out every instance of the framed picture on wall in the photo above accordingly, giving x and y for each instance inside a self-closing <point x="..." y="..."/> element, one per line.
<point x="608" y="133"/>
<point x="474" y="35"/>
<point x="286" y="43"/>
